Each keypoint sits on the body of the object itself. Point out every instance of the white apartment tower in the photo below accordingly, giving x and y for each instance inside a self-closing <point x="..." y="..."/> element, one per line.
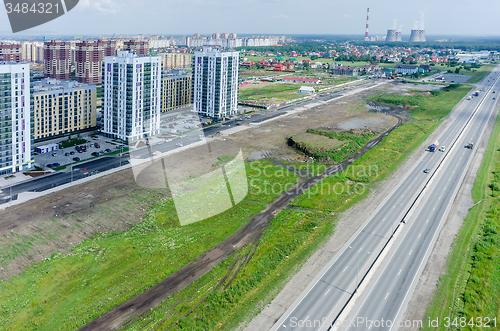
<point x="215" y="83"/>
<point x="132" y="96"/>
<point x="16" y="118"/>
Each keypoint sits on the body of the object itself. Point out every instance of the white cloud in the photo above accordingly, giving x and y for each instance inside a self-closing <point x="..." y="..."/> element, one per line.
<point x="104" y="6"/>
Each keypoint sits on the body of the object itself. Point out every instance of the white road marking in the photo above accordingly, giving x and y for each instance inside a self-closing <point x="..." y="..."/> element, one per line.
<point x="384" y="219"/>
<point x="427" y="221"/>
<point x="386" y="296"/>
<point x="410" y="252"/>
<point x="360" y="249"/>
<point x="343" y="271"/>
<point x="434" y="208"/>
<point x="327" y="292"/>
<point x="399" y="271"/>
<point x="419" y="235"/>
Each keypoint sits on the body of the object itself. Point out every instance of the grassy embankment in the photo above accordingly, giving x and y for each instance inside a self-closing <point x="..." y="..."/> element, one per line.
<point x="216" y="302"/>
<point x="67" y="291"/>
<point x="330" y="146"/>
<point x="470" y="284"/>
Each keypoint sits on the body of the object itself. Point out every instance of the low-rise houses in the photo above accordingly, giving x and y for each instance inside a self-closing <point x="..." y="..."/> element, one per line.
<point x="300" y="80"/>
<point x="406" y="69"/>
<point x="345" y="71"/>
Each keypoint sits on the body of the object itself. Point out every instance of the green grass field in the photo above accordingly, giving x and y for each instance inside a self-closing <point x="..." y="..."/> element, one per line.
<point x="436" y="106"/>
<point x="470" y="284"/>
<point x="211" y="305"/>
<point x="272" y="94"/>
<point x="66" y="291"/>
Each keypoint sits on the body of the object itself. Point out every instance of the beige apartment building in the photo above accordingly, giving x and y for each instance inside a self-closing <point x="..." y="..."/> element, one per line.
<point x="63" y="107"/>
<point x="176" y="61"/>
<point x="176" y="90"/>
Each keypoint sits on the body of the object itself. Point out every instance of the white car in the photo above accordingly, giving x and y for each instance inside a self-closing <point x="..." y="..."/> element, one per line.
<point x="442" y="149"/>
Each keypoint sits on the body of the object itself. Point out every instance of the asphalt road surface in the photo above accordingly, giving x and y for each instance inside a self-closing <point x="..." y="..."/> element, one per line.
<point x="388" y="294"/>
<point x="327" y="294"/>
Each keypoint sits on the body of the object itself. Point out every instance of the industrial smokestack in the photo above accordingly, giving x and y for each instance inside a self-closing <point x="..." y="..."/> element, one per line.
<point x="417" y="36"/>
<point x="367" y="21"/>
<point x="391" y="35"/>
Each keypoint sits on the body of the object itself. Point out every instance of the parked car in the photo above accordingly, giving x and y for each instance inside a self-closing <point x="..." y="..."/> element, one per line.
<point x="71" y="153"/>
<point x="76" y="159"/>
<point x="54" y="154"/>
<point x="95" y="154"/>
<point x="66" y="154"/>
<point x="56" y="165"/>
<point x="96" y="145"/>
<point x="107" y="150"/>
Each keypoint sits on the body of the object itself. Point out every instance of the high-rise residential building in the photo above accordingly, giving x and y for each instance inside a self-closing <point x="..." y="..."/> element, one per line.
<point x="224" y="35"/>
<point x="216" y="35"/>
<point x="11" y="53"/>
<point x="62" y="107"/>
<point x="196" y="36"/>
<point x="137" y="47"/>
<point x="57" y="59"/>
<point x="176" y="61"/>
<point x="89" y="57"/>
<point x="32" y="52"/>
<point x="215" y="82"/>
<point x="16" y="118"/>
<point x="233" y="36"/>
<point x="131" y="96"/>
<point x="176" y="90"/>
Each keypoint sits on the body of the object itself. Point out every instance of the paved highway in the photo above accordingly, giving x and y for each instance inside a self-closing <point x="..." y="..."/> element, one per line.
<point x="389" y="293"/>
<point x="105" y="163"/>
<point x="325" y="297"/>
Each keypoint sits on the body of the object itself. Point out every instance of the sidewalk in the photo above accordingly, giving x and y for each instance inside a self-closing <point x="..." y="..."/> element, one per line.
<point x="9" y="180"/>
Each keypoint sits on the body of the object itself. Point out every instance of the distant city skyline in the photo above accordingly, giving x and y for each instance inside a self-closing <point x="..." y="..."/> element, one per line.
<point x="176" y="17"/>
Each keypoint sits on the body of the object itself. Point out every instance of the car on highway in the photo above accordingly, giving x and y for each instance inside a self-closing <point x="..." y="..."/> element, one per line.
<point x="427" y="170"/>
<point x="76" y="159"/>
<point x="442" y="149"/>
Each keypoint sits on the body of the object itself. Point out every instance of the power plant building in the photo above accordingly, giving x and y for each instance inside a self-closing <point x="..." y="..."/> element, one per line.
<point x="417" y="36"/>
<point x="391" y="35"/>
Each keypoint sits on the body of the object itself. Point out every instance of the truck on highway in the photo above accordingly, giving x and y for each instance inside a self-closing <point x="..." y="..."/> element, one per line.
<point x="470" y="146"/>
<point x="476" y="94"/>
<point x="433" y="147"/>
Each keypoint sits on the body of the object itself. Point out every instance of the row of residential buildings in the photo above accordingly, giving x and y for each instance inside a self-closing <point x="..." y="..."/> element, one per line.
<point x="225" y="40"/>
<point x="135" y="93"/>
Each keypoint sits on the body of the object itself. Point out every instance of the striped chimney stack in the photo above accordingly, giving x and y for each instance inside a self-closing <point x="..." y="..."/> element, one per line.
<point x="367" y="20"/>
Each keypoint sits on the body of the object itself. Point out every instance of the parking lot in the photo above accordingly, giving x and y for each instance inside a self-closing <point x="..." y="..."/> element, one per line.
<point x="71" y="155"/>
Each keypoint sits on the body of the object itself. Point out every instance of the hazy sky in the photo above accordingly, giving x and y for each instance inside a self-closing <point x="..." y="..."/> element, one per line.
<point x="174" y="17"/>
